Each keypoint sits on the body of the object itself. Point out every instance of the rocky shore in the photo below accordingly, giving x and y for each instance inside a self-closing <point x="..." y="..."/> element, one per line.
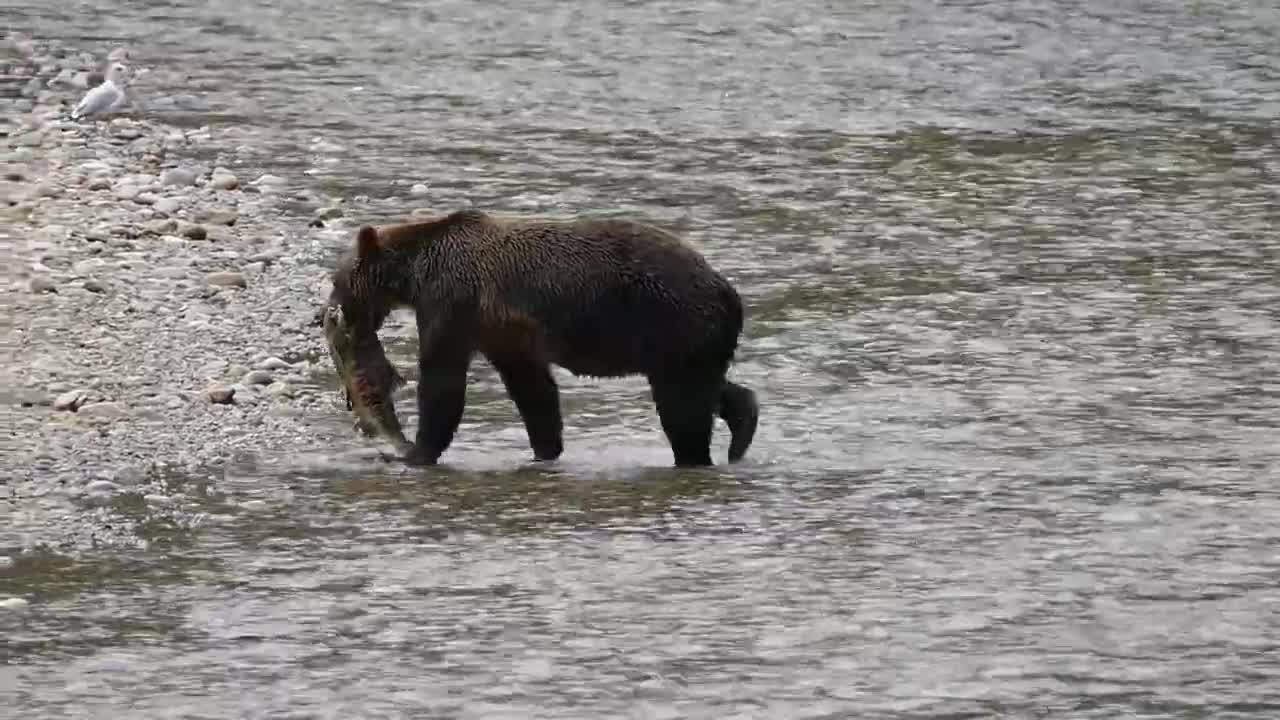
<point x="157" y="310"/>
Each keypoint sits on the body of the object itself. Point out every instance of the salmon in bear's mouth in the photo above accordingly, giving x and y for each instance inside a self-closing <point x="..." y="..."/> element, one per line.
<point x="368" y="378"/>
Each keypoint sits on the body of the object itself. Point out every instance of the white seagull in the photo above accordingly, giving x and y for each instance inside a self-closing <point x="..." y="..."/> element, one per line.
<point x="107" y="97"/>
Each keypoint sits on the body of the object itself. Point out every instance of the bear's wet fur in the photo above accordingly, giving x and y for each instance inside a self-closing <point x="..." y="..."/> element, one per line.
<point x="598" y="297"/>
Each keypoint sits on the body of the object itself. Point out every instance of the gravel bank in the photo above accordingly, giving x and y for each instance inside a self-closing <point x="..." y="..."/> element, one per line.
<point x="157" y="310"/>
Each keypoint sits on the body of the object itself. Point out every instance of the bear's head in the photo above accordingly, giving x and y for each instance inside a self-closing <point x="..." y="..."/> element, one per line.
<point x="365" y="281"/>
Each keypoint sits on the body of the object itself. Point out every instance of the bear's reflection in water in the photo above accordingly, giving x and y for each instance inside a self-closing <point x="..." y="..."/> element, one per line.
<point x="498" y="493"/>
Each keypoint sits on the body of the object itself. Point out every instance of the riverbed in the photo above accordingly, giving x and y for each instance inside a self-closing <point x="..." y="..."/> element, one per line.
<point x="1010" y="273"/>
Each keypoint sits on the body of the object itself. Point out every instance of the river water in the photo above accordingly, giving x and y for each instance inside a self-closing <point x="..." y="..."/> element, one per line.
<point x="1012" y="287"/>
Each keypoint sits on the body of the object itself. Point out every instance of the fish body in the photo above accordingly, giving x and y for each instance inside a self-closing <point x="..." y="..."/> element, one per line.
<point x="368" y="378"/>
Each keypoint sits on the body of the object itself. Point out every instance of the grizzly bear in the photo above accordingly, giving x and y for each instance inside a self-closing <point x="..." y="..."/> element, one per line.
<point x="597" y="297"/>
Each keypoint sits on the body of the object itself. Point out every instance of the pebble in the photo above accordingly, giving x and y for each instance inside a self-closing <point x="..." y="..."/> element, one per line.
<point x="167" y="206"/>
<point x="161" y="227"/>
<point x="193" y="231"/>
<point x="101" y="486"/>
<point x="157" y="500"/>
<point x="30" y="139"/>
<point x="14" y="604"/>
<point x="84" y="267"/>
<point x="226" y="279"/>
<point x="94" y="286"/>
<point x="258" y="377"/>
<point x="214" y="368"/>
<point x="179" y="176"/>
<point x="146" y="198"/>
<point x="221" y="394"/>
<point x="42" y="284"/>
<point x="224" y="182"/>
<point x="217" y="217"/>
<point x="104" y="410"/>
<point x="130" y="475"/>
<point x="100" y="183"/>
<point x="69" y="400"/>
<point x="274" y="363"/>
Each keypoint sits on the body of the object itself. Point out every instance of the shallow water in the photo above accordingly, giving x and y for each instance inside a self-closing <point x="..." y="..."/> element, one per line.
<point x="1011" y="276"/>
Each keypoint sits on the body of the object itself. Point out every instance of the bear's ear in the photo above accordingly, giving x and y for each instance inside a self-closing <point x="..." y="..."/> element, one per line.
<point x="366" y="242"/>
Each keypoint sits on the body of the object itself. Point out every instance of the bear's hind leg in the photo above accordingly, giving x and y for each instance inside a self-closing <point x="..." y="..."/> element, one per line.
<point x="686" y="409"/>
<point x="537" y="398"/>
<point x="741" y="412"/>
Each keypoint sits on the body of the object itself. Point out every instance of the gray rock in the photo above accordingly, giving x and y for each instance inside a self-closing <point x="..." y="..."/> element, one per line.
<point x="221" y="394"/>
<point x="280" y="390"/>
<point x="104" y="410"/>
<point x="69" y="400"/>
<point x="224" y="182"/>
<point x="265" y="256"/>
<point x="170" y="272"/>
<point x="226" y="279"/>
<point x="214" y="368"/>
<point x="258" y="377"/>
<point x="193" y="231"/>
<point x="179" y="176"/>
<point x="85" y="267"/>
<point x="418" y="190"/>
<point x="14" y="605"/>
<point x="217" y="217"/>
<point x="94" y="286"/>
<point x="130" y="475"/>
<point x="101" y="486"/>
<point x="42" y="284"/>
<point x="128" y="192"/>
<point x="167" y="206"/>
<point x="161" y="227"/>
<point x="31" y="139"/>
<point x="146" y="198"/>
<point x="100" y="183"/>
<point x="157" y="500"/>
<point x="328" y="213"/>
<point x="274" y="363"/>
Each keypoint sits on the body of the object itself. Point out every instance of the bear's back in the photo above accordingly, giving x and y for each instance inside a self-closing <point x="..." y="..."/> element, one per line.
<point x="606" y="296"/>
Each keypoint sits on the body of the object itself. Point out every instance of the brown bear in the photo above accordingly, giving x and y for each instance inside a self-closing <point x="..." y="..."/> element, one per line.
<point x="598" y="297"/>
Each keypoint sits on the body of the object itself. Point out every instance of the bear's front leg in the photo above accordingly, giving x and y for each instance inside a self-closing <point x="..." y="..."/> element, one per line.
<point x="442" y="395"/>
